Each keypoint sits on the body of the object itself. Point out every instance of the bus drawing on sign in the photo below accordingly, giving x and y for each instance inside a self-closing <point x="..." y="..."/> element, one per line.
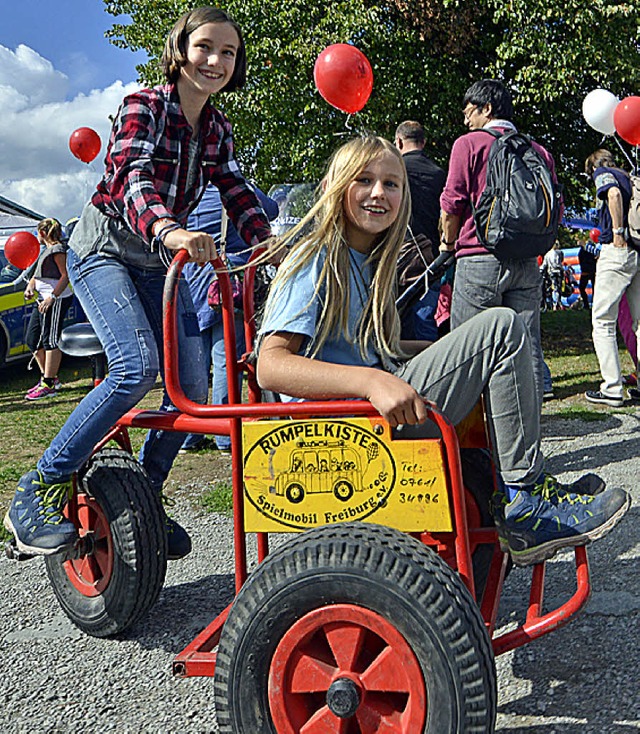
<point x="328" y="467"/>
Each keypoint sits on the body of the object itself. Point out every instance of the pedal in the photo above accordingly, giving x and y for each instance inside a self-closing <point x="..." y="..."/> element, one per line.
<point x="12" y="552"/>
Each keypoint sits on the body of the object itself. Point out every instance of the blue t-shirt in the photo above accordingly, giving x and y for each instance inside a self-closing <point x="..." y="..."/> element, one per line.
<point x="294" y="307"/>
<point x="606" y="178"/>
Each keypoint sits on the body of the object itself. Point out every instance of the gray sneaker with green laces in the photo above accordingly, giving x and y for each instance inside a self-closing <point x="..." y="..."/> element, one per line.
<point x="551" y="488"/>
<point x="544" y="518"/>
<point x="36" y="517"/>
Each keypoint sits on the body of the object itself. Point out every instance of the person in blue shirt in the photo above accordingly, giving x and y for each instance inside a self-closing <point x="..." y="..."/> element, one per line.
<point x="207" y="217"/>
<point x="331" y="330"/>
<point x="617" y="273"/>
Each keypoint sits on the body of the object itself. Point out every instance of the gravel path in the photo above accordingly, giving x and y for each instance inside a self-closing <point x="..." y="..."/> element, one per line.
<point x="582" y="679"/>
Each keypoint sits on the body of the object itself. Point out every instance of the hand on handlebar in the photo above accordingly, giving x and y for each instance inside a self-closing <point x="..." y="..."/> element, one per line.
<point x="396" y="401"/>
<point x="200" y="245"/>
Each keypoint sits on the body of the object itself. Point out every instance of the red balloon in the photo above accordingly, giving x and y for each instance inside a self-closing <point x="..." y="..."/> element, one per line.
<point x="344" y="77"/>
<point x="626" y="119"/>
<point x="85" y="144"/>
<point x="594" y="235"/>
<point x="22" y="249"/>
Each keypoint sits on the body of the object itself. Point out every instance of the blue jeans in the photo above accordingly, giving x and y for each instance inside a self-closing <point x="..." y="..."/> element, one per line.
<point x="214" y="350"/>
<point x="482" y="282"/>
<point x="547" y="379"/>
<point x="124" y="306"/>
<point x="419" y="322"/>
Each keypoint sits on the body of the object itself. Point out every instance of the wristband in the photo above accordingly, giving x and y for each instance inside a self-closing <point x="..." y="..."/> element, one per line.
<point x="158" y="240"/>
<point x="53" y="297"/>
<point x="618" y="230"/>
<point x="447" y="244"/>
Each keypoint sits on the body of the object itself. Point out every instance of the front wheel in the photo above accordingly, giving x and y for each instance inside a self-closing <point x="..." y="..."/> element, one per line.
<point x="354" y="628"/>
<point x="120" y="573"/>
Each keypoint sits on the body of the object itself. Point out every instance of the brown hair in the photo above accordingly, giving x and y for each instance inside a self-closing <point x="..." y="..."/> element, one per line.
<point x="174" y="55"/>
<point x="50" y="230"/>
<point x="410" y="130"/>
<point x="599" y="158"/>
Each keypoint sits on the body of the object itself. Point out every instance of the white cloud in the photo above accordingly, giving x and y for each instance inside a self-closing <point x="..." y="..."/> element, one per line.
<point x="37" y="169"/>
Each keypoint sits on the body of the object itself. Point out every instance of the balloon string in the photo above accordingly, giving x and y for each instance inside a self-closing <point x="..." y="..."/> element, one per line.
<point x="625" y="154"/>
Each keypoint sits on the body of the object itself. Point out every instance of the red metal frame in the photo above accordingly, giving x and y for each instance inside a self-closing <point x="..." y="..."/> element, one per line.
<point x="198" y="658"/>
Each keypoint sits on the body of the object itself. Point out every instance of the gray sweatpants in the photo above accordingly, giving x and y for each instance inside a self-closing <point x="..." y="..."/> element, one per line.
<point x="490" y="355"/>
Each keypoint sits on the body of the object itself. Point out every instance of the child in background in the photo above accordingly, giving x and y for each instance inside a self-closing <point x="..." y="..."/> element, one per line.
<point x="331" y="330"/>
<point x="51" y="284"/>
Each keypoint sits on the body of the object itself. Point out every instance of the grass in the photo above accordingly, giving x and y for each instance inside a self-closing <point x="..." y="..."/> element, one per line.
<point x="218" y="499"/>
<point x="568" y="350"/>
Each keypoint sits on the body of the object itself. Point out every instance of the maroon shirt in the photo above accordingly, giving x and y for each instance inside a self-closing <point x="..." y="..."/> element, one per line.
<point x="467" y="179"/>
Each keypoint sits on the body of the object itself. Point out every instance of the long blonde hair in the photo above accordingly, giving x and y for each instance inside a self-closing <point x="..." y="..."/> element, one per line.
<point x="323" y="228"/>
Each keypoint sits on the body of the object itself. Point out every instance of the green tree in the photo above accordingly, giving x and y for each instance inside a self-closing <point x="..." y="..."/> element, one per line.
<point x="424" y="54"/>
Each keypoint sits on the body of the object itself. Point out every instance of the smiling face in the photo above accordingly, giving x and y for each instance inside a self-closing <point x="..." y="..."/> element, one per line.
<point x="372" y="201"/>
<point x="211" y="58"/>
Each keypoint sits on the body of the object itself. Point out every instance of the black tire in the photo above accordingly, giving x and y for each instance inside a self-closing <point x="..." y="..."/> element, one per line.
<point x="3" y="348"/>
<point x="137" y="548"/>
<point x="294" y="493"/>
<point x="343" y="490"/>
<point x="366" y="567"/>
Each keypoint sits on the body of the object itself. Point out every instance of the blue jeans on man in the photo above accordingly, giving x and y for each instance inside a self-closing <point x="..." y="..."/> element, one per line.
<point x="214" y="354"/>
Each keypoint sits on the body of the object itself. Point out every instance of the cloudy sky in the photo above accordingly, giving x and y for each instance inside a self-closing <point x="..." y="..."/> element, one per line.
<point x="56" y="75"/>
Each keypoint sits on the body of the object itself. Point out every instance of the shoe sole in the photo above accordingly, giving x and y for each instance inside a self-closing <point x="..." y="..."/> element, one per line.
<point x="41" y="397"/>
<point x="546" y="551"/>
<point x="611" y="402"/>
<point x="30" y="549"/>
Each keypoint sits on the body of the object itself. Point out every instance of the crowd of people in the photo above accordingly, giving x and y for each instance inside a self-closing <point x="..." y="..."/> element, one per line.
<point x="330" y="327"/>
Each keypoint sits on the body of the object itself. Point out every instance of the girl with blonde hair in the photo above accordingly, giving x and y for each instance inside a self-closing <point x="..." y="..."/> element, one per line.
<point x="331" y="330"/>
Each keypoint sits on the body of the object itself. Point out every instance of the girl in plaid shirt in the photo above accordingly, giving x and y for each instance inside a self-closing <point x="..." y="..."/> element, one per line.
<point x="166" y="145"/>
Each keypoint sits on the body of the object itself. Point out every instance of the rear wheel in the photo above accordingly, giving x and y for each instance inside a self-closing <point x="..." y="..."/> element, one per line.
<point x="121" y="571"/>
<point x="354" y="629"/>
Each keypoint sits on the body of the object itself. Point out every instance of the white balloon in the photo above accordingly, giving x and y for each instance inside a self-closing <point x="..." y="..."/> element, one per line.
<point x="597" y="109"/>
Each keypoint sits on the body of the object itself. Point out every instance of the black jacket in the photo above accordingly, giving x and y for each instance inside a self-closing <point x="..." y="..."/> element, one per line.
<point x="426" y="181"/>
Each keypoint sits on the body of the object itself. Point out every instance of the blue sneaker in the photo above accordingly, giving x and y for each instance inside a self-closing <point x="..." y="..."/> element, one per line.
<point x="35" y="517"/>
<point x="549" y="488"/>
<point x="536" y="526"/>
<point x="178" y="540"/>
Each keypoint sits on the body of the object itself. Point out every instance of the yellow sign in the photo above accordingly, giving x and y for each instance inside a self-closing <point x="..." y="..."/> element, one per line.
<point x="299" y="474"/>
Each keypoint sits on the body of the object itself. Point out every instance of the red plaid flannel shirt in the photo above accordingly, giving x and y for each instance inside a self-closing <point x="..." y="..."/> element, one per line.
<point x="147" y="160"/>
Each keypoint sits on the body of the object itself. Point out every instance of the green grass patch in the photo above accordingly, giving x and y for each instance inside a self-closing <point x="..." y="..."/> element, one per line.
<point x="584" y="414"/>
<point x="218" y="499"/>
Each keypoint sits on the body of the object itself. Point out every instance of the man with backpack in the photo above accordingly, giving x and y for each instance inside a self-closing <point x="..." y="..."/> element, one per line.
<point x="500" y="210"/>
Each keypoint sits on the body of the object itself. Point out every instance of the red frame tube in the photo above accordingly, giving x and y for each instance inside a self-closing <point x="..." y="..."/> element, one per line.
<point x="198" y="658"/>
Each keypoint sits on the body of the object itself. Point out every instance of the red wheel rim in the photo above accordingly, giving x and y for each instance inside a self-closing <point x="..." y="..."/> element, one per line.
<point x="358" y="648"/>
<point x="90" y="573"/>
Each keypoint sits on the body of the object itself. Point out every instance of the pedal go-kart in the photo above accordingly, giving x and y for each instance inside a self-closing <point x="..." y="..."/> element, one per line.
<point x="377" y="615"/>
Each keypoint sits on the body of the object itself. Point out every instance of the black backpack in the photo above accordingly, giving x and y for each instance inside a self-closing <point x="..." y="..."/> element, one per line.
<point x="518" y="213"/>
